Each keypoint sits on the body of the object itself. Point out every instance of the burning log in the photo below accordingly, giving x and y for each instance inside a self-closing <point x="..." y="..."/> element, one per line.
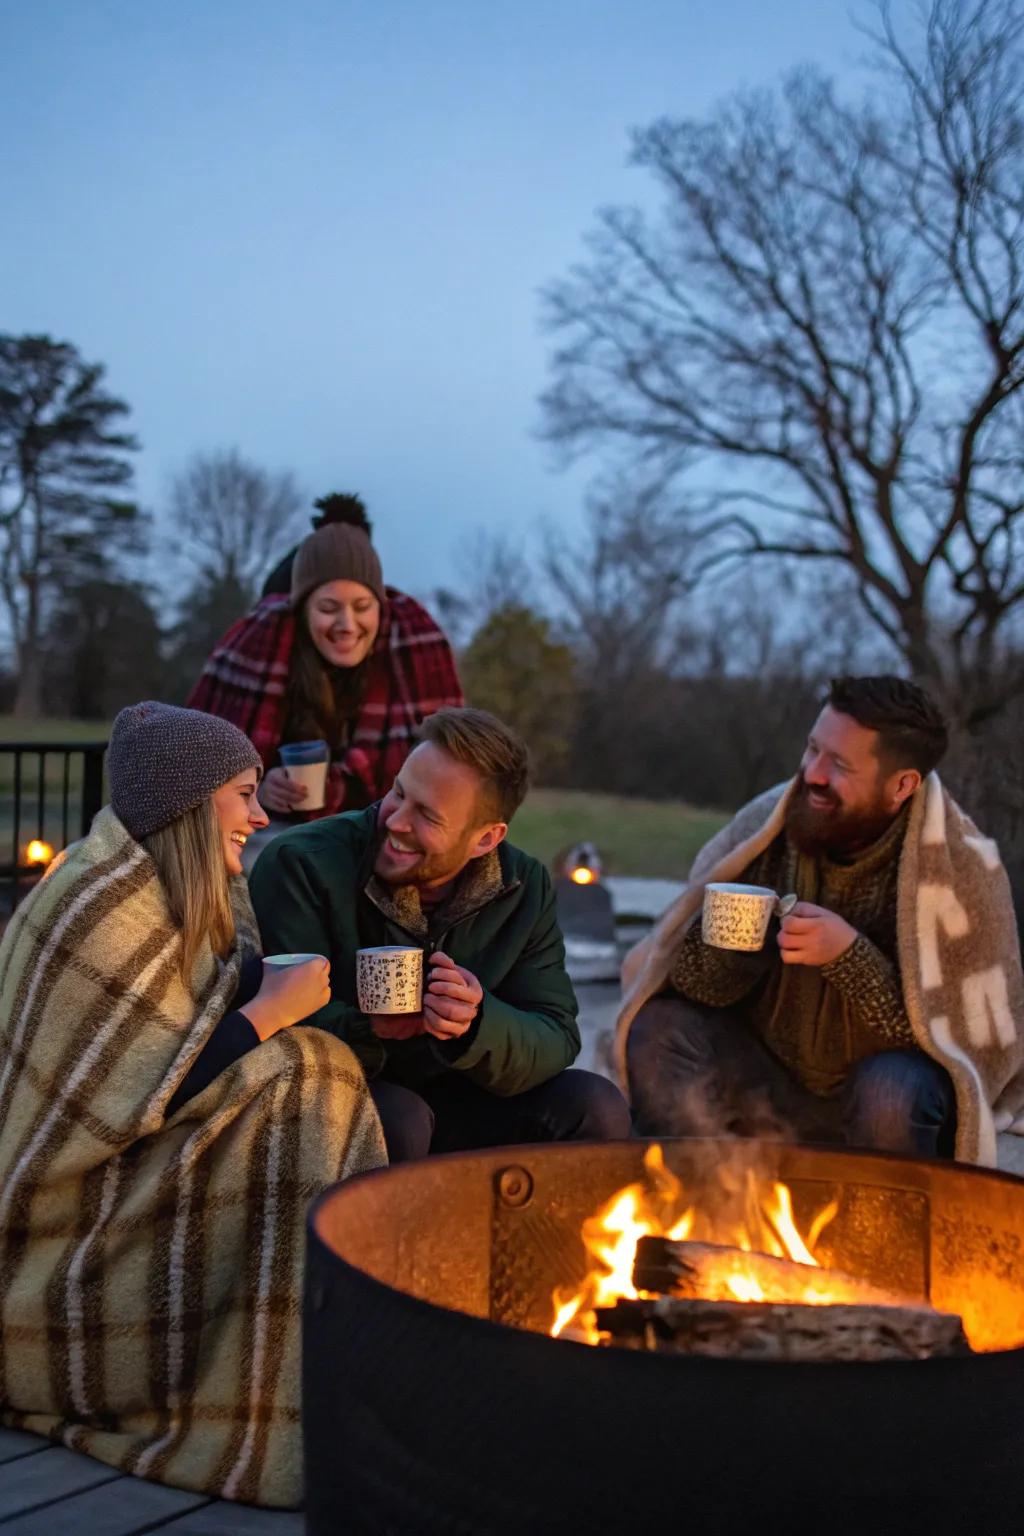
<point x="726" y="1302"/>
<point x="777" y="1331"/>
<point x="717" y="1272"/>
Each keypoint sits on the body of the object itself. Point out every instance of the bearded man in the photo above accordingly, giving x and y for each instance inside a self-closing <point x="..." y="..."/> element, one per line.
<point x="485" y="1061"/>
<point x="876" y="990"/>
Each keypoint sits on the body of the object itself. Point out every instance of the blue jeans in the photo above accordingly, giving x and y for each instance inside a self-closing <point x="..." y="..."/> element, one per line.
<point x="451" y="1114"/>
<point x="699" y="1071"/>
<point x="900" y="1101"/>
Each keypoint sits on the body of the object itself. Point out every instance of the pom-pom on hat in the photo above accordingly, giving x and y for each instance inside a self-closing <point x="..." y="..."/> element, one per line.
<point x="338" y="551"/>
<point x="342" y="507"/>
<point x="163" y="761"/>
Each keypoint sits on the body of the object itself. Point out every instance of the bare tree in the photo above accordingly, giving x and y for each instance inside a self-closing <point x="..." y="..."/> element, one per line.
<point x="621" y="591"/>
<point x="493" y="573"/>
<point x="236" y="518"/>
<point x="821" y="336"/>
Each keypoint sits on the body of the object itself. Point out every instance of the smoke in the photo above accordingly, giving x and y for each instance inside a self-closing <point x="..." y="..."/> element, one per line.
<point x="707" y="1107"/>
<point x="696" y="1071"/>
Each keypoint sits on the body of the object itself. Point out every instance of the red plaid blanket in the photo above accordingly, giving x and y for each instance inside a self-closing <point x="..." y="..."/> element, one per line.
<point x="412" y="674"/>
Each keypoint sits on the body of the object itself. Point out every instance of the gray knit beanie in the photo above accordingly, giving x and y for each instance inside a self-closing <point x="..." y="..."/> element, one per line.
<point x="336" y="552"/>
<point x="162" y="761"/>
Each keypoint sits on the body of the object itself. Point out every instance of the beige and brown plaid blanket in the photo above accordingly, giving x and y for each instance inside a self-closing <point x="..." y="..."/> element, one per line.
<point x="959" y="955"/>
<point x="150" y="1271"/>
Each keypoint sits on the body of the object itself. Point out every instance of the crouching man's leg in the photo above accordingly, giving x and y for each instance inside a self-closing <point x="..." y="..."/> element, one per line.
<point x="700" y="1071"/>
<point x="406" y="1120"/>
<point x="573" y="1106"/>
<point x="900" y="1101"/>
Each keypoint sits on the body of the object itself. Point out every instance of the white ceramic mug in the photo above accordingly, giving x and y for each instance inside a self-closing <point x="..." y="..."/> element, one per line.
<point x="389" y="979"/>
<point x="737" y="916"/>
<point x="280" y="961"/>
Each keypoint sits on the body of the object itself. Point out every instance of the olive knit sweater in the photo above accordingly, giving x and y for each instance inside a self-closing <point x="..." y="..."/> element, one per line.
<point x="817" y="1020"/>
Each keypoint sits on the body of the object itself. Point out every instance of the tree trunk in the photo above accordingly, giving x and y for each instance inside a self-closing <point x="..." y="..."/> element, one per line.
<point x="28" y="701"/>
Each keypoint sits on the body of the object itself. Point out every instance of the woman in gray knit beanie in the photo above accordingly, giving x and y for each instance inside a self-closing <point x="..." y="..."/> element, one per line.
<point x="163" y="1128"/>
<point x="342" y="664"/>
<point x="183" y="784"/>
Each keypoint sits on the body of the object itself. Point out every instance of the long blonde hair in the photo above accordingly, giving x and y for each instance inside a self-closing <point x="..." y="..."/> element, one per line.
<point x="189" y="857"/>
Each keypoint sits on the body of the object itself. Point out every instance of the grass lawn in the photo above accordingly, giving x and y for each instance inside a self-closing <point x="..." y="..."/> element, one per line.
<point x="654" y="838"/>
<point x="13" y="728"/>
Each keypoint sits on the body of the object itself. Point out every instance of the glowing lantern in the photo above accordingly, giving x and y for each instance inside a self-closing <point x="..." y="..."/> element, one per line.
<point x="581" y="864"/>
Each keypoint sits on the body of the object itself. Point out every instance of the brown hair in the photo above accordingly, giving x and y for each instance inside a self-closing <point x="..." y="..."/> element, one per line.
<point x="480" y="740"/>
<point x="912" y="732"/>
<point x="189" y="857"/>
<point x="321" y="698"/>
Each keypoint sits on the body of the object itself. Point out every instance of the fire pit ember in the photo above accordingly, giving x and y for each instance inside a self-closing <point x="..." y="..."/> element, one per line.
<point x="752" y="1286"/>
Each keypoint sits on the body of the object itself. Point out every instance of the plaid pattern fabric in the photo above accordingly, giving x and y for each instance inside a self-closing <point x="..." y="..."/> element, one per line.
<point x="411" y="674"/>
<point x="150" y="1270"/>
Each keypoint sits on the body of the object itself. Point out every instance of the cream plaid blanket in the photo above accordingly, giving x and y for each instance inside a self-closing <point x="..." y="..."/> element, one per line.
<point x="959" y="955"/>
<point x="150" y="1271"/>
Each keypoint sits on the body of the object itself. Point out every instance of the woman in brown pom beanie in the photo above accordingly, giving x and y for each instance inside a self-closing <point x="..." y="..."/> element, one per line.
<point x="342" y="659"/>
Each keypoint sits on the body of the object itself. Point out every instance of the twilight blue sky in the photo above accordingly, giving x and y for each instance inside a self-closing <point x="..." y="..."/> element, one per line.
<point x="317" y="230"/>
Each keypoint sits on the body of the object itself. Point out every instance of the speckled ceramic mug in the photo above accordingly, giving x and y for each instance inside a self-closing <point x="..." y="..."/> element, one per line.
<point x="389" y="979"/>
<point x="737" y="916"/>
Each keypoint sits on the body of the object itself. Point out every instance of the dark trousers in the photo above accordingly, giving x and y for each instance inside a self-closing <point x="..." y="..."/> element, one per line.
<point x="698" y="1071"/>
<point x="451" y="1114"/>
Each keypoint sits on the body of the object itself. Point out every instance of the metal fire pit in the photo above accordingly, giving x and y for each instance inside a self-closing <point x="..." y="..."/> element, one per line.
<point x="434" y="1401"/>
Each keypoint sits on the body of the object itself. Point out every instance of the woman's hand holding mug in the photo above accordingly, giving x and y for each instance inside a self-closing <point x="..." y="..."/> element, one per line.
<point x="280" y="794"/>
<point x="291" y="990"/>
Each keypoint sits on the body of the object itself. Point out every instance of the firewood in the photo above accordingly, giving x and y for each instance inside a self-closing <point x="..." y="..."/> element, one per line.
<point x="703" y="1271"/>
<point x="767" y="1331"/>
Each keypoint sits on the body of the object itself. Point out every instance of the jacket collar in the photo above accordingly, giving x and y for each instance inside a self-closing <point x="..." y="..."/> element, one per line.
<point x="481" y="882"/>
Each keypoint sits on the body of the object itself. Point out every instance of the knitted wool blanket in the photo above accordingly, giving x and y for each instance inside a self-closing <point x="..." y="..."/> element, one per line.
<point x="959" y="955"/>
<point x="151" y="1270"/>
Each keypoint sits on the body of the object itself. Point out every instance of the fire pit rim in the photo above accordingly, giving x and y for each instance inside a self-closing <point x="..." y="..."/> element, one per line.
<point x="518" y="1150"/>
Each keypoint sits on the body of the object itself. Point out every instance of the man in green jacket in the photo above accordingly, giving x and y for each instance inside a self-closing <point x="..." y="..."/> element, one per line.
<point x="485" y="1061"/>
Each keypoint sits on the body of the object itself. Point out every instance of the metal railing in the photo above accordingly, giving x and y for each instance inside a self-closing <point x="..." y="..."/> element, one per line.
<point x="49" y="793"/>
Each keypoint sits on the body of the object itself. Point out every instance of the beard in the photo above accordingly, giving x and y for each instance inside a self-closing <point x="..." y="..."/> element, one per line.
<point x="424" y="870"/>
<point x="834" y="828"/>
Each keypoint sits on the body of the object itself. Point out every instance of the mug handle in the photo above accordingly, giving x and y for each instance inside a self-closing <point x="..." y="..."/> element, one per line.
<point x="785" y="904"/>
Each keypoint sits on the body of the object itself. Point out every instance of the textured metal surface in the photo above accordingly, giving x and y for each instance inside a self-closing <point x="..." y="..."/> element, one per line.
<point x="879" y="1233"/>
<point x="418" y="1418"/>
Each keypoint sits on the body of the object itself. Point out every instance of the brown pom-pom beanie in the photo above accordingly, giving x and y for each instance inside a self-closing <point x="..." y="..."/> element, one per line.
<point x="336" y="552"/>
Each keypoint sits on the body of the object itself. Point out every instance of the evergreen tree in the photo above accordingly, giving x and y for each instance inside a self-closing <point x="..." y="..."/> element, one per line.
<point x="63" y="458"/>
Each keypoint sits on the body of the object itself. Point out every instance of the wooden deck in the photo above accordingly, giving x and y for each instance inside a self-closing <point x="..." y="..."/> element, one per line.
<point x="46" y="1490"/>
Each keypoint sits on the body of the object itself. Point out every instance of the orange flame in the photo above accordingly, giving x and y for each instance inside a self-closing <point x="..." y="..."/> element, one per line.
<point x="658" y="1208"/>
<point x="583" y="876"/>
<point x="38" y="852"/>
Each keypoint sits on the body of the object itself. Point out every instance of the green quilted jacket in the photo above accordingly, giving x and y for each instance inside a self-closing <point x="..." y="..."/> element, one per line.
<point x="314" y="890"/>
